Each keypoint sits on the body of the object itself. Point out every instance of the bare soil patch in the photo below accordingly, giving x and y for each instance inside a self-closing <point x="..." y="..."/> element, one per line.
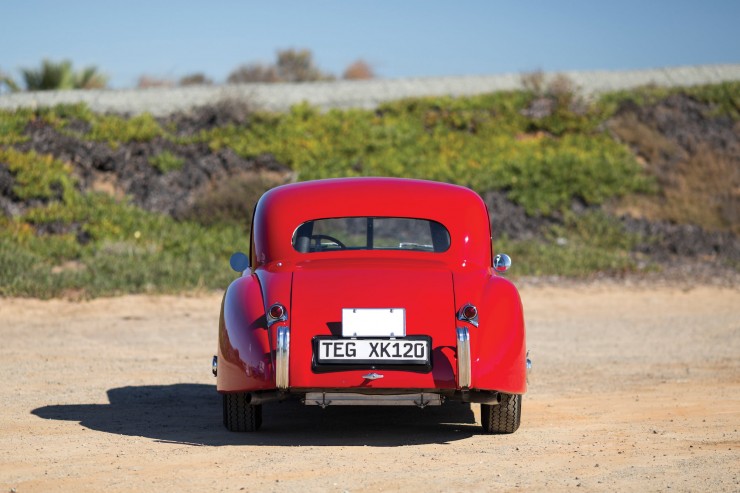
<point x="633" y="389"/>
<point x="694" y="156"/>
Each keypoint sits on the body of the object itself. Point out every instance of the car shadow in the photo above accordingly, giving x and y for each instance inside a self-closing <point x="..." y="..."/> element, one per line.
<point x="192" y="414"/>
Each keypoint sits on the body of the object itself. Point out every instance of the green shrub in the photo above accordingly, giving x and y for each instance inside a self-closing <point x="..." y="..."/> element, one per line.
<point x="230" y="201"/>
<point x="12" y="125"/>
<point x="117" y="247"/>
<point x="37" y="176"/>
<point x="62" y="114"/>
<point x="166" y="162"/>
<point x="723" y="97"/>
<point x="115" y="129"/>
<point x="127" y="250"/>
<point x="585" y="244"/>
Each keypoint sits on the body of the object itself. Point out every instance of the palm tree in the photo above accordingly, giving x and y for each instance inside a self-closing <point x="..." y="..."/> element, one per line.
<point x="89" y="78"/>
<point x="7" y="81"/>
<point x="60" y="75"/>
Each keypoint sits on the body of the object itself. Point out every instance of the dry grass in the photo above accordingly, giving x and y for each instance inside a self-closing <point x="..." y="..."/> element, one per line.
<point x="648" y="143"/>
<point x="231" y="201"/>
<point x="699" y="184"/>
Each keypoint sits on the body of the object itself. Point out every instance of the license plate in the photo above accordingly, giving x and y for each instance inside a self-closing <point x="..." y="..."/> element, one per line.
<point x="406" y="351"/>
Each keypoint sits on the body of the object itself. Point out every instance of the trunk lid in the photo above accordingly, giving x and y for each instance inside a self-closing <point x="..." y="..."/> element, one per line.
<point x="322" y="288"/>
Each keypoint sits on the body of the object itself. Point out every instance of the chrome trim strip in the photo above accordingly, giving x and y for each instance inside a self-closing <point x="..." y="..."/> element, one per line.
<point x="214" y="366"/>
<point x="463" y="358"/>
<point x="282" y="358"/>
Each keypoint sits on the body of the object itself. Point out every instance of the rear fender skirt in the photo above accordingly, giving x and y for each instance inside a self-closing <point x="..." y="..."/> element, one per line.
<point x="244" y="360"/>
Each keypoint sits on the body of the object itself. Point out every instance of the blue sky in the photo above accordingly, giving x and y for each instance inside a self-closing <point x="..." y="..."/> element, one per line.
<point x="126" y="39"/>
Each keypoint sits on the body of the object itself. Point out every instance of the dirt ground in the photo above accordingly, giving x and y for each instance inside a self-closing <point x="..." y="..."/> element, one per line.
<point x="634" y="388"/>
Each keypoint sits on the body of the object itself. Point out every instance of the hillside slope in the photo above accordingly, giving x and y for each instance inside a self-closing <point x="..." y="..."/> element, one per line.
<point x="636" y="181"/>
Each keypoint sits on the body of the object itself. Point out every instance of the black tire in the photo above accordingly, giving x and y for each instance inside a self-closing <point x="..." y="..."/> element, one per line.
<point x="504" y="417"/>
<point x="240" y="416"/>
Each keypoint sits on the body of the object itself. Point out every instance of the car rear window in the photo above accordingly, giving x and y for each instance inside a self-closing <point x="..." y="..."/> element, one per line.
<point x="371" y="233"/>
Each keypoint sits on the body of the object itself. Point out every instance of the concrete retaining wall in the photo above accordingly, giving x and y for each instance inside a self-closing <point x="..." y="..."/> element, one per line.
<point x="354" y="94"/>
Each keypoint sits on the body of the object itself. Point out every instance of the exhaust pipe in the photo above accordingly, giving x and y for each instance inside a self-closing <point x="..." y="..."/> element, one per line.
<point x="482" y="397"/>
<point x="254" y="398"/>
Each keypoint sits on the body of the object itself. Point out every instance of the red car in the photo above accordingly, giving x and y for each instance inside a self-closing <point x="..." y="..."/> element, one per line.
<point x="371" y="291"/>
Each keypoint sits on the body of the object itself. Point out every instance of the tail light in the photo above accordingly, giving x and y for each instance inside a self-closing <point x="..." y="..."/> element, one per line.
<point x="276" y="313"/>
<point x="468" y="313"/>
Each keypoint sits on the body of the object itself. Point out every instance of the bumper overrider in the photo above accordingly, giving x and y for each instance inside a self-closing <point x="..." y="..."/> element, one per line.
<point x="463" y="358"/>
<point x="282" y="358"/>
<point x="464" y="373"/>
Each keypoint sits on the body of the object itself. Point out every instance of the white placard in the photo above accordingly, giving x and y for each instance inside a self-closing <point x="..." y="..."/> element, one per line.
<point x="373" y="322"/>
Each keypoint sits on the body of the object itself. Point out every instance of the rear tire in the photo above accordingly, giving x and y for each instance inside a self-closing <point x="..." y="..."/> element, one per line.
<point x="240" y="416"/>
<point x="504" y="417"/>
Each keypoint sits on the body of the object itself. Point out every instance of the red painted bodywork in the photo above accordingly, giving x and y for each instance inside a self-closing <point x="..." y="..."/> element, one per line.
<point x="314" y="287"/>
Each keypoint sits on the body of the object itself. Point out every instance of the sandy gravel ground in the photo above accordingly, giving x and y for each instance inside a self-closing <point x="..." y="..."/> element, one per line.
<point x="633" y="389"/>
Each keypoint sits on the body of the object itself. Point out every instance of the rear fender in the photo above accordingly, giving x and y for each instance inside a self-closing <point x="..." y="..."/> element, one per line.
<point x="498" y="345"/>
<point x="244" y="359"/>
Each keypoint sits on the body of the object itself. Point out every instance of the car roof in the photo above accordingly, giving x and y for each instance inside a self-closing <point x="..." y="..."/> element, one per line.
<point x="282" y="209"/>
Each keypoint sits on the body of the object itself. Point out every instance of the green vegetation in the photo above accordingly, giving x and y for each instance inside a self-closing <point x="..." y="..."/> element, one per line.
<point x="166" y="161"/>
<point x="723" y="97"/>
<point x="36" y="177"/>
<point x="593" y="242"/>
<point x="482" y="142"/>
<point x="12" y="124"/>
<point x="7" y="83"/>
<point x="112" y="129"/>
<point x="115" y="130"/>
<point x="90" y="244"/>
<point x="60" y="75"/>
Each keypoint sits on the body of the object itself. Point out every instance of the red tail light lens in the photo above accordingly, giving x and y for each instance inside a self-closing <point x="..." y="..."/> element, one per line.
<point x="276" y="311"/>
<point x="469" y="312"/>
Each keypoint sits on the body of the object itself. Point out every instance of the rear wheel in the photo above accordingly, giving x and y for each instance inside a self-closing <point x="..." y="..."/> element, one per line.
<point x="240" y="416"/>
<point x="504" y="417"/>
